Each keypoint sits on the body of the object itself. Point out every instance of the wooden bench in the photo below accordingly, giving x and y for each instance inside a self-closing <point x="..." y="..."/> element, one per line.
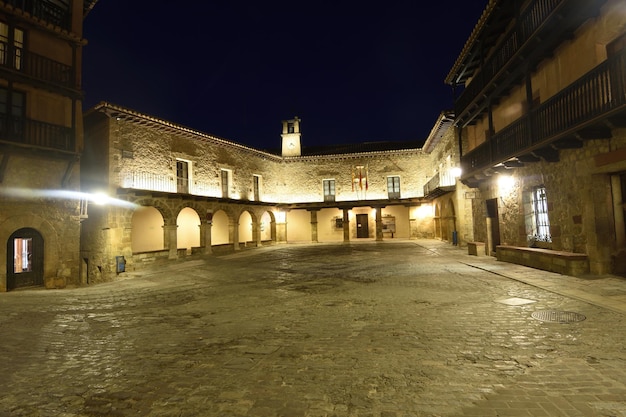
<point x="566" y="263"/>
<point x="476" y="248"/>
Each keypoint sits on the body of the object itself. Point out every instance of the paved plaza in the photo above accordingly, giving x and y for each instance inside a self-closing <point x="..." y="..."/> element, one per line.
<point x="367" y="329"/>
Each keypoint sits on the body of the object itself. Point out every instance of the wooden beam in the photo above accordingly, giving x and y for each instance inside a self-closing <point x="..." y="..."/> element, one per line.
<point x="568" y="143"/>
<point x="528" y="158"/>
<point x="513" y="164"/>
<point x="548" y="153"/>
<point x="595" y="132"/>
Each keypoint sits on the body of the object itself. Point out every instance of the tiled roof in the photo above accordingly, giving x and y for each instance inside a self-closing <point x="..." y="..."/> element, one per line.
<point x="360" y="148"/>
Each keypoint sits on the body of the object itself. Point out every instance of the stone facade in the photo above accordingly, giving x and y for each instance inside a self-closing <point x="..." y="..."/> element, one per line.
<point x="183" y="193"/>
<point x="545" y="158"/>
<point x="41" y="138"/>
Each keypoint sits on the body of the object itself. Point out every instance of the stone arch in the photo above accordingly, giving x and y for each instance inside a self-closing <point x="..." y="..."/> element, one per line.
<point x="169" y="216"/>
<point x="188" y="230"/>
<point x="437" y="220"/>
<point x="448" y="220"/>
<point x="267" y="226"/>
<point x="247" y="226"/>
<point x="51" y="251"/>
<point x="147" y="229"/>
<point x="220" y="228"/>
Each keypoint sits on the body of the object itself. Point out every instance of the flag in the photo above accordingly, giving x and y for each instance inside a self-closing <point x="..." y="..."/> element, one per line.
<point x="367" y="169"/>
<point x="352" y="178"/>
<point x="360" y="178"/>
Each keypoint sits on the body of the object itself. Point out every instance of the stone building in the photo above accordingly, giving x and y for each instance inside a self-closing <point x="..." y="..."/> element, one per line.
<point x="176" y="192"/>
<point x="41" y="139"/>
<point x="542" y="127"/>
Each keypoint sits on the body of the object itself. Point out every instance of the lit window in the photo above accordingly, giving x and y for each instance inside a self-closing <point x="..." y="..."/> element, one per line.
<point x="256" y="184"/>
<point x="393" y="187"/>
<point x="329" y="190"/>
<point x="225" y="182"/>
<point x="182" y="177"/>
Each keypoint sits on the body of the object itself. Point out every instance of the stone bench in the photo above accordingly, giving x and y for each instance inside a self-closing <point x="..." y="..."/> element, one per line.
<point x="566" y="263"/>
<point x="476" y="248"/>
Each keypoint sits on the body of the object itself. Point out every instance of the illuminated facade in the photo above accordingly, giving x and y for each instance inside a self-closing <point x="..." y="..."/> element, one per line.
<point x="41" y="139"/>
<point x="542" y="124"/>
<point x="196" y="194"/>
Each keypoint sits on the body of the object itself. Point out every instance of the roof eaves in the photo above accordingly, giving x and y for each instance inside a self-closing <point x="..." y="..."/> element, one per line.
<point x="471" y="40"/>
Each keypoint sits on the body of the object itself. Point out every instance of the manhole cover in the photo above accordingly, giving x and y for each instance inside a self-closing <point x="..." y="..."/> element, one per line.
<point x="556" y="316"/>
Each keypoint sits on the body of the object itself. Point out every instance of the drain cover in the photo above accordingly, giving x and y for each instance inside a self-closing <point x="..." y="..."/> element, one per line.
<point x="556" y="316"/>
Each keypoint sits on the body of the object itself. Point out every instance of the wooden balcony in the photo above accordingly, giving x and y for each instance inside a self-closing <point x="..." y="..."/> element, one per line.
<point x="55" y="12"/>
<point x="578" y="112"/>
<point x="540" y="28"/>
<point x="33" y="133"/>
<point x="36" y="67"/>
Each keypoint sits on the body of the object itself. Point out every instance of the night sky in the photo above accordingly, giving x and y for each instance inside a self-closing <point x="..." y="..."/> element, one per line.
<point x="353" y="71"/>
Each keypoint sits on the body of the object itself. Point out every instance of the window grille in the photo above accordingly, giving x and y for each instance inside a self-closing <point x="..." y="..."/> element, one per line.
<point x="540" y="215"/>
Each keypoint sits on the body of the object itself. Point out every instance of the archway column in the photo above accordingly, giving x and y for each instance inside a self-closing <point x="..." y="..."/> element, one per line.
<point x="346" y="224"/>
<point x="379" y="223"/>
<point x="314" y="237"/>
<point x="170" y="240"/>
<point x="233" y="233"/>
<point x="205" y="237"/>
<point x="256" y="232"/>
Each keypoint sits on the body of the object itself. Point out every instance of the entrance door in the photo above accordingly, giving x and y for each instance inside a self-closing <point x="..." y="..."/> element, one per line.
<point x="362" y="229"/>
<point x="492" y="213"/>
<point x="24" y="259"/>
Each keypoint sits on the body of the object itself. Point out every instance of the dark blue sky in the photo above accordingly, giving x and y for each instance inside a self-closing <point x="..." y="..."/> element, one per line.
<point x="351" y="70"/>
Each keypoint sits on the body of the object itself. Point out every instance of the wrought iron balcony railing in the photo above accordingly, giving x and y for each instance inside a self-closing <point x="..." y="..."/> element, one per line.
<point x="440" y="183"/>
<point x="35" y="133"/>
<point x="36" y="66"/>
<point x="597" y="93"/>
<point x="56" y="12"/>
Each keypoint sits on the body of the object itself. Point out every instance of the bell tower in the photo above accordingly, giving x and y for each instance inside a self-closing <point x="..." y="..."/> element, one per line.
<point x="291" y="137"/>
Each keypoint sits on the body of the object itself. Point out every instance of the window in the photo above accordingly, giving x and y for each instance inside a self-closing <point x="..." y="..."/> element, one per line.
<point x="540" y="221"/>
<point x="256" y="187"/>
<point x="11" y="46"/>
<point x="290" y="127"/>
<point x="12" y="111"/>
<point x="182" y="177"/>
<point x="225" y="175"/>
<point x="393" y="187"/>
<point x="329" y="190"/>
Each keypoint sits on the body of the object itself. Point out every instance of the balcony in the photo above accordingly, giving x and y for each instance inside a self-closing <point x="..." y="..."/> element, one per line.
<point x="573" y="113"/>
<point x="441" y="183"/>
<point x="141" y="180"/>
<point x="541" y="27"/>
<point x="55" y="12"/>
<point x="38" y="134"/>
<point x="36" y="66"/>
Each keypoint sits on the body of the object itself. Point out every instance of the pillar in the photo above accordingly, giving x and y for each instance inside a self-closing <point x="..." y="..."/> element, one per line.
<point x="233" y="232"/>
<point x="205" y="237"/>
<point x="346" y="225"/>
<point x="379" y="224"/>
<point x="171" y="240"/>
<point x="314" y="226"/>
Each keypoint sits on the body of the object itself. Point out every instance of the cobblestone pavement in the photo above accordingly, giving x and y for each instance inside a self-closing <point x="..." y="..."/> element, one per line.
<point x="391" y="329"/>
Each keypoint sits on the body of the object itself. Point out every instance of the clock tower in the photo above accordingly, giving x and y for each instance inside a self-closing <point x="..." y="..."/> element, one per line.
<point x="291" y="137"/>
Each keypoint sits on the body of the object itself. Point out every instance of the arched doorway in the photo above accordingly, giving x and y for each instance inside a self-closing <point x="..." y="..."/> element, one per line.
<point x="188" y="231"/>
<point x="147" y="230"/>
<point x="24" y="259"/>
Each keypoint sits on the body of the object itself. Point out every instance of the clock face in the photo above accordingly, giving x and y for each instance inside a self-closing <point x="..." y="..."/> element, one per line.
<point x="291" y="145"/>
